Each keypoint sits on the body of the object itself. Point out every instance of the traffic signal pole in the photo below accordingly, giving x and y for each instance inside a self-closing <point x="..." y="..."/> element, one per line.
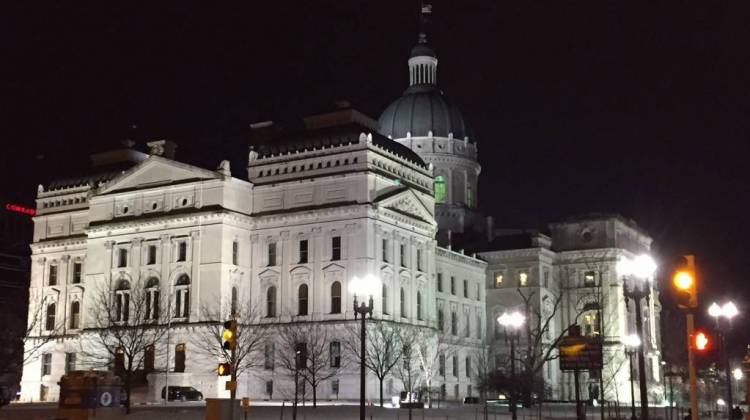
<point x="693" y="382"/>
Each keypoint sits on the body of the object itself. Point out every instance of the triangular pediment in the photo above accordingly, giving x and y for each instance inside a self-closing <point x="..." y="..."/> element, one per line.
<point x="408" y="203"/>
<point x="156" y="171"/>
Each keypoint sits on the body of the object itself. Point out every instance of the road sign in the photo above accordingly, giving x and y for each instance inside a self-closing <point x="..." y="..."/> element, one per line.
<point x="580" y="353"/>
<point x="230" y="385"/>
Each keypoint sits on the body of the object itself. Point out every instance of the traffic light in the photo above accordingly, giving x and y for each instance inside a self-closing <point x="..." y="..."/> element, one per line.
<point x="224" y="369"/>
<point x="684" y="283"/>
<point x="700" y="341"/>
<point x="229" y="335"/>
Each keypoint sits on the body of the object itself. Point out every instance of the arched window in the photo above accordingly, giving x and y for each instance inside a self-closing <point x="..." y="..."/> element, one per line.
<point x="49" y="324"/>
<point x="75" y="315"/>
<point x="182" y="297"/>
<point x="336" y="298"/>
<point x="439" y="189"/>
<point x="385" y="299"/>
<point x="302" y="300"/>
<point x="234" y="300"/>
<point x="122" y="301"/>
<point x="419" y="306"/>
<point x="271" y="302"/>
<point x="403" y="303"/>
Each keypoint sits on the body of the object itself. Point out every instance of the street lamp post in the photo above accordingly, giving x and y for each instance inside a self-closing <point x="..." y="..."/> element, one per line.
<point x="512" y="321"/>
<point x="638" y="273"/>
<point x="631" y="342"/>
<point x="363" y="287"/>
<point x="727" y="311"/>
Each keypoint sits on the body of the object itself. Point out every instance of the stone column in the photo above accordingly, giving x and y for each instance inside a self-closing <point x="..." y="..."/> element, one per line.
<point x="195" y="281"/>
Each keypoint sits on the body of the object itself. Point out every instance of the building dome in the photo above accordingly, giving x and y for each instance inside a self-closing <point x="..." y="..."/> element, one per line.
<point x="422" y="109"/>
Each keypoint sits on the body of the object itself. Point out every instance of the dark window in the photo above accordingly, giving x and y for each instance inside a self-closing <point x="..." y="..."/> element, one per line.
<point x="439" y="282"/>
<point x="179" y="358"/>
<point x="403" y="303"/>
<point x="235" y="252"/>
<point x="52" y="275"/>
<point x="336" y="248"/>
<point x="441" y="320"/>
<point x="149" y="358"/>
<point x="385" y="299"/>
<point x="76" y="272"/>
<point x="234" y="300"/>
<point x="268" y="356"/>
<point x="302" y="300"/>
<point x="419" y="260"/>
<point x="75" y="315"/>
<point x="70" y="362"/>
<point x="453" y="285"/>
<point x="269" y="389"/>
<point x="271" y="302"/>
<point x="272" y="254"/>
<point x="50" y="320"/>
<point x="119" y="361"/>
<point x="303" y="251"/>
<point x="182" y="251"/>
<point x="335" y="354"/>
<point x="385" y="250"/>
<point x="467" y="329"/>
<point x="468" y="367"/>
<point x="151" y="257"/>
<point x="402" y="253"/>
<point x="335" y="387"/>
<point x="300" y="355"/>
<point x="455" y="366"/>
<point x="336" y="298"/>
<point x="122" y="257"/>
<point x="46" y="364"/>
<point x="466" y="288"/>
<point x="419" y="306"/>
<point x="454" y="323"/>
<point x="441" y="366"/>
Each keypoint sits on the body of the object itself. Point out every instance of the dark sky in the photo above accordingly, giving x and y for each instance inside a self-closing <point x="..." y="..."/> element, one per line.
<point x="578" y="106"/>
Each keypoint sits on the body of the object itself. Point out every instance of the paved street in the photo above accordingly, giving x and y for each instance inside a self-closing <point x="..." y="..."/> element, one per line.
<point x="324" y="412"/>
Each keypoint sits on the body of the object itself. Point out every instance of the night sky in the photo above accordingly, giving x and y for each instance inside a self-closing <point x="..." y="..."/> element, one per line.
<point x="578" y="107"/>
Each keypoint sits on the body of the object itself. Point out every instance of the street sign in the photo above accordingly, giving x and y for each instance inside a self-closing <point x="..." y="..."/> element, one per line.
<point x="580" y="353"/>
<point x="230" y="385"/>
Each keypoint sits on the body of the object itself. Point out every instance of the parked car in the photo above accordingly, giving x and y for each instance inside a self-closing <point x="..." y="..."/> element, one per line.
<point x="182" y="393"/>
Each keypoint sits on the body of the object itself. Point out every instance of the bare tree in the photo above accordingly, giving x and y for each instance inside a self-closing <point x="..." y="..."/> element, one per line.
<point x="319" y="362"/>
<point x="428" y="347"/>
<point x="125" y="326"/>
<point x="22" y="338"/>
<point x="250" y="337"/>
<point x="409" y="369"/>
<point x="382" y="351"/>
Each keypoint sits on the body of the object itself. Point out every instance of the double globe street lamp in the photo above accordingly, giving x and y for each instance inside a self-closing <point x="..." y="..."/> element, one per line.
<point x="638" y="274"/>
<point x="512" y="321"/>
<point x="632" y="342"/>
<point x="727" y="311"/>
<point x="364" y="287"/>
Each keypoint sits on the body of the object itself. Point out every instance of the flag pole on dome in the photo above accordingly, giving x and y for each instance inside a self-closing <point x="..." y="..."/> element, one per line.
<point x="424" y="11"/>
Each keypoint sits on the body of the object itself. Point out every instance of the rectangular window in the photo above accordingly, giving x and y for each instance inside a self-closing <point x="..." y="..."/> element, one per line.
<point x="336" y="248"/>
<point x="439" y="282"/>
<point x="545" y="277"/>
<point x="479" y="327"/>
<point x="303" y="251"/>
<point x="272" y="254"/>
<point x="70" y="362"/>
<point x="122" y="258"/>
<point x="402" y="253"/>
<point x="151" y="255"/>
<point x="235" y="253"/>
<point x="468" y="367"/>
<point x="335" y="387"/>
<point x="467" y="327"/>
<point x="453" y="285"/>
<point x="43" y="392"/>
<point x="468" y="390"/>
<point x="455" y="366"/>
<point x="335" y="351"/>
<point x="455" y="391"/>
<point x="419" y="260"/>
<point x="268" y="356"/>
<point x="385" y="250"/>
<point x="182" y="251"/>
<point x="179" y="358"/>
<point x="589" y="279"/>
<point x="466" y="288"/>
<point x="269" y="388"/>
<point x="441" y="365"/>
<point x="498" y="280"/>
<point x="46" y="364"/>
<point x="76" y="272"/>
<point x="52" y="275"/>
<point x="523" y="279"/>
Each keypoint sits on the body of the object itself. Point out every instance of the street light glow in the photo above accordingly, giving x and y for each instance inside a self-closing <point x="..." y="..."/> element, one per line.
<point x="728" y="310"/>
<point x="511" y="320"/>
<point x="714" y="310"/>
<point x="642" y="267"/>
<point x="369" y="285"/>
<point x="737" y="373"/>
<point x="631" y="340"/>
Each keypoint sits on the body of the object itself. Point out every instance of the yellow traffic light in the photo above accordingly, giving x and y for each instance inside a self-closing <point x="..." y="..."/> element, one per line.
<point x="229" y="335"/>
<point x="224" y="369"/>
<point x="685" y="283"/>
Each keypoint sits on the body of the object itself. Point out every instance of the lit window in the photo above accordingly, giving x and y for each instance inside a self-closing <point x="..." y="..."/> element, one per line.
<point x="589" y="279"/>
<point x="439" y="189"/>
<point x="498" y="280"/>
<point x="523" y="279"/>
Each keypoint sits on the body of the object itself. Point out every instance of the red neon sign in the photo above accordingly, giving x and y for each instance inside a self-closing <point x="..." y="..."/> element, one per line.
<point x="20" y="209"/>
